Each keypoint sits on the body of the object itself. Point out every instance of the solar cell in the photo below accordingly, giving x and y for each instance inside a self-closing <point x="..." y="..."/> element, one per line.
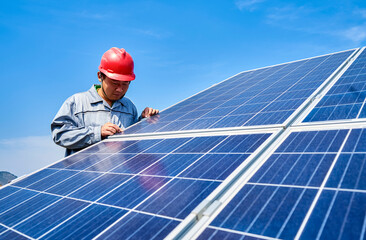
<point x="12" y="235"/>
<point x="216" y="233"/>
<point x="346" y="99"/>
<point x="2" y="229"/>
<point x="339" y="215"/>
<point x="140" y="226"/>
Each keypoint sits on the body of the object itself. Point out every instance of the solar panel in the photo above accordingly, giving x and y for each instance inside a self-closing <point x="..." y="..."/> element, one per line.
<point x="311" y="187"/>
<point x="235" y="163"/>
<point x="159" y="181"/>
<point x="260" y="97"/>
<point x="346" y="99"/>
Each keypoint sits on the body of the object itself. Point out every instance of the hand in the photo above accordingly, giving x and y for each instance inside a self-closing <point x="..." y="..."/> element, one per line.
<point x="109" y="129"/>
<point x="154" y="119"/>
<point x="149" y="112"/>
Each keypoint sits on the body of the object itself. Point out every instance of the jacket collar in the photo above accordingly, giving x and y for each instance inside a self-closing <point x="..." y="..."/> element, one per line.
<point x="94" y="96"/>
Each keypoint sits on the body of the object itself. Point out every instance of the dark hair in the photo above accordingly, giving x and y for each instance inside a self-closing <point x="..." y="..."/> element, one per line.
<point x="102" y="76"/>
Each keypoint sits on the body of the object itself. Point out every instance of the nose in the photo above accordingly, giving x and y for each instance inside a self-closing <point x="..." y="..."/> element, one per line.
<point x="119" y="89"/>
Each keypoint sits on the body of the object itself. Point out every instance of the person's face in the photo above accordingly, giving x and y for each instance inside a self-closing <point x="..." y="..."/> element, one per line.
<point x="115" y="89"/>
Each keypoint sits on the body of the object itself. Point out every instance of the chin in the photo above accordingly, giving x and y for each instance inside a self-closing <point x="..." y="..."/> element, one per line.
<point x="115" y="98"/>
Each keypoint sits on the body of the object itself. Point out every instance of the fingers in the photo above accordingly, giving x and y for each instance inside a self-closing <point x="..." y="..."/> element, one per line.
<point x="149" y="112"/>
<point x="109" y="129"/>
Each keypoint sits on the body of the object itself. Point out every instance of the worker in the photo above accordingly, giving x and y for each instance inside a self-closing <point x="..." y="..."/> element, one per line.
<point x="88" y="117"/>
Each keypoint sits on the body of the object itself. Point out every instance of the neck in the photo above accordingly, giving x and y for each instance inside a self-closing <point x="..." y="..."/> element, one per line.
<point x="104" y="96"/>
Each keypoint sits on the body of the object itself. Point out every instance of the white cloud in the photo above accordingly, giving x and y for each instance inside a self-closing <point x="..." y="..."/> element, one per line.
<point x="360" y="12"/>
<point x="311" y="20"/>
<point x="250" y="5"/>
<point x="149" y="33"/>
<point x="286" y="13"/>
<point x="25" y="155"/>
<point x="89" y="15"/>
<point x="357" y="33"/>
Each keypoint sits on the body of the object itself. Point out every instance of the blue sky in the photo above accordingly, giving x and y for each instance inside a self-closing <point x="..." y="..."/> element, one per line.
<point x="52" y="49"/>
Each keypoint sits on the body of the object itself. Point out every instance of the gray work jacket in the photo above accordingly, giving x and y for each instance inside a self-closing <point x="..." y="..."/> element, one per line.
<point x="78" y="122"/>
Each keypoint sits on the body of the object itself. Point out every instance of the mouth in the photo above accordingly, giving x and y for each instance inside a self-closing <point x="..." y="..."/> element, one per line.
<point x="117" y="96"/>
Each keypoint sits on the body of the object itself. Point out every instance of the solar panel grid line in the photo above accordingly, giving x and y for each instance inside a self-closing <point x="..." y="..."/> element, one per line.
<point x="255" y="236"/>
<point x="81" y="210"/>
<point x="50" y="205"/>
<point x="307" y="187"/>
<point x="227" y="190"/>
<point x="13" y="230"/>
<point x="8" y="195"/>
<point x="64" y="221"/>
<point x="330" y="125"/>
<point x="286" y="185"/>
<point x="316" y="96"/>
<point x="326" y="217"/>
<point x="328" y="214"/>
<point x="363" y="229"/>
<point x="126" y="215"/>
<point x="362" y="106"/>
<point x="197" y="133"/>
<point x="20" y="203"/>
<point x="310" y="211"/>
<point x="150" y="175"/>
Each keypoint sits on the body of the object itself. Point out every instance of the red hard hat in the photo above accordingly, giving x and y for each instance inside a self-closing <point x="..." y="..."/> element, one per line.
<point x="117" y="64"/>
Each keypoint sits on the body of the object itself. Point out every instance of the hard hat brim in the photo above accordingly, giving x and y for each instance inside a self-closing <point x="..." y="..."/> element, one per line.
<point x="119" y="77"/>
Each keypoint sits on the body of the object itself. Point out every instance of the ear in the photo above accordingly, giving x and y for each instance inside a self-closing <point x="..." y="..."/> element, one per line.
<point x="99" y="76"/>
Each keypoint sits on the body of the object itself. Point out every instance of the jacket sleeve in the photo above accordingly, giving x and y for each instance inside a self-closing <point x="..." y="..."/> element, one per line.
<point x="68" y="131"/>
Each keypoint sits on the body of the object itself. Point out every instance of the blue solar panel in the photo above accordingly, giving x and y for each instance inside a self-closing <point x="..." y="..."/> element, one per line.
<point x="265" y="96"/>
<point x="140" y="226"/>
<point x="2" y="229"/>
<point x="12" y="235"/>
<point x="213" y="233"/>
<point x="279" y="196"/>
<point x="346" y="99"/>
<point x="339" y="215"/>
<point x="124" y="184"/>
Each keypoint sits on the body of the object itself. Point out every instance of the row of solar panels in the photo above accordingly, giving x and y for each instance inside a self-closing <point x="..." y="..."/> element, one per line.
<point x="269" y="96"/>
<point x="217" y="181"/>
<point x="150" y="192"/>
